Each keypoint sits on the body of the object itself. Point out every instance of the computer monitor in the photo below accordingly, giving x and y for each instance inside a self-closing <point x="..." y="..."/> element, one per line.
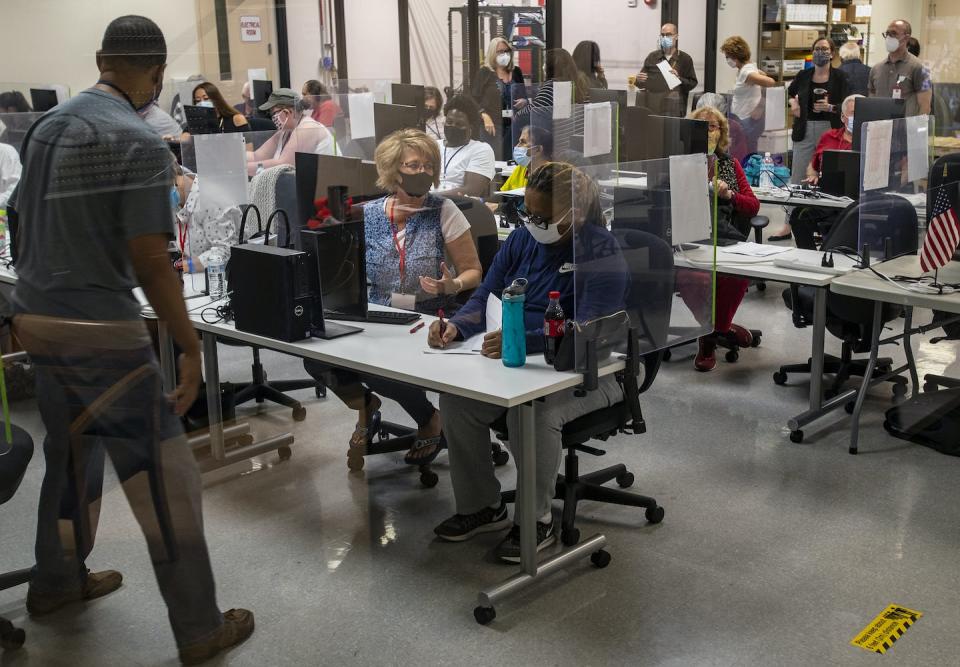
<point x="200" y="120"/>
<point x="605" y="95"/>
<point x="317" y="173"/>
<point x="261" y="93"/>
<point x="339" y="253"/>
<point x="407" y="94"/>
<point x="43" y="99"/>
<point x="388" y="118"/>
<point x="647" y="137"/>
<point x="840" y="174"/>
<point x="869" y="109"/>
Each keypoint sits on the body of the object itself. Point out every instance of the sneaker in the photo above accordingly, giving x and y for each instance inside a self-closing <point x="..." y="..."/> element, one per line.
<point x="97" y="585"/>
<point x="461" y="527"/>
<point x="706" y="359"/>
<point x="237" y="626"/>
<point x="509" y="549"/>
<point x="742" y="335"/>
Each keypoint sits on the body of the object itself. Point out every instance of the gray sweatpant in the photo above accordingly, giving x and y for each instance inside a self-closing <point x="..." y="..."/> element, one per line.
<point x="466" y="425"/>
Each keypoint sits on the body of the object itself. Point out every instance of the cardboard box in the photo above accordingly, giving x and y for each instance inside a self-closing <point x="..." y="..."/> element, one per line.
<point x="859" y="13"/>
<point x="770" y="39"/>
<point x="792" y="66"/>
<point x="800" y="39"/>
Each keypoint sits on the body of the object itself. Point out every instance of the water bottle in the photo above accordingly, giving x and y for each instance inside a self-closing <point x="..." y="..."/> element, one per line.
<point x="514" y="345"/>
<point x="766" y="172"/>
<point x="216" y="274"/>
<point x="554" y="322"/>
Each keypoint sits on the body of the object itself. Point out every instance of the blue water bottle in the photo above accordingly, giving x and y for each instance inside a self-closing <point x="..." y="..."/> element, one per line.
<point x="514" y="345"/>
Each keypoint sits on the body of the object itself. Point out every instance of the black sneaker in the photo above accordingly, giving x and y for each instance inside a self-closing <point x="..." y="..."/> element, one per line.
<point x="509" y="549"/>
<point x="461" y="527"/>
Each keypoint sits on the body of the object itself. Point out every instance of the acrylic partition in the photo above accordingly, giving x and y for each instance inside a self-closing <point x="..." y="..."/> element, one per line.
<point x="14" y="127"/>
<point x="894" y="166"/>
<point x="941" y="56"/>
<point x="630" y="221"/>
<point x="581" y="134"/>
<point x="758" y="125"/>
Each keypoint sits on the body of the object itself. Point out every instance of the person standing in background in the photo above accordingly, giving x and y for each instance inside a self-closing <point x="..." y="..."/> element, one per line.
<point x="493" y="91"/>
<point x="858" y="74"/>
<point x="587" y="58"/>
<point x="747" y="103"/>
<point x="681" y="64"/>
<point x="901" y="75"/>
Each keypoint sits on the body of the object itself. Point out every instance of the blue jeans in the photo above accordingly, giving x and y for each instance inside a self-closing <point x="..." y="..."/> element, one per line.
<point x="96" y="402"/>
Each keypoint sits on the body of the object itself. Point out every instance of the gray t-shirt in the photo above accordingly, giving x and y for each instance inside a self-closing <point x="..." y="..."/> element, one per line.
<point x="94" y="177"/>
<point x="908" y="72"/>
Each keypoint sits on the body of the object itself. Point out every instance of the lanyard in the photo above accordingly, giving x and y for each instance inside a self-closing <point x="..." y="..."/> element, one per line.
<point x="103" y="82"/>
<point x="401" y="250"/>
<point x="446" y="162"/>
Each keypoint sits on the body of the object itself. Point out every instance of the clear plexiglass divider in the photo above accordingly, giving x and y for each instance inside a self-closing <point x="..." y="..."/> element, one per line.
<point x="894" y="167"/>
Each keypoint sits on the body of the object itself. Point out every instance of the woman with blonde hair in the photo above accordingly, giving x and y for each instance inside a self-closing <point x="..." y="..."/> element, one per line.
<point x="409" y="233"/>
<point x="493" y="89"/>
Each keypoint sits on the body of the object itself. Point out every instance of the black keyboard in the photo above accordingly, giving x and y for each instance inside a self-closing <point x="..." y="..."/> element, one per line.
<point x="391" y="317"/>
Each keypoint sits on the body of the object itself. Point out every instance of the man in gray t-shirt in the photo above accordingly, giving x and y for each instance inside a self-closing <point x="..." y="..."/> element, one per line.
<point x="901" y="75"/>
<point x="95" y="220"/>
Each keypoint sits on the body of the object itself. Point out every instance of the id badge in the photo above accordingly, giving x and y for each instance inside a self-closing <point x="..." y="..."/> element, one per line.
<point x="507" y="113"/>
<point x="403" y="301"/>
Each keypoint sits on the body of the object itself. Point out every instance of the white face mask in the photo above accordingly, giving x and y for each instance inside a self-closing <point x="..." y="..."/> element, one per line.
<point x="205" y="103"/>
<point x="547" y="236"/>
<point x="732" y="62"/>
<point x="503" y="59"/>
<point x="892" y="44"/>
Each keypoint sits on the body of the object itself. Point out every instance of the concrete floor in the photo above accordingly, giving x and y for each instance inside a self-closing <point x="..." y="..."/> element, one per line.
<point x="771" y="553"/>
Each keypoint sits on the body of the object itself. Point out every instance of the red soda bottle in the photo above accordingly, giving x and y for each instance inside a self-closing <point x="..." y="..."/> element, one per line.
<point x="554" y="322"/>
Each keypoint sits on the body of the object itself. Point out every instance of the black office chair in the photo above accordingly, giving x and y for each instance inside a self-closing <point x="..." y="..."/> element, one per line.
<point x="850" y="318"/>
<point x="14" y="459"/>
<point x="649" y="304"/>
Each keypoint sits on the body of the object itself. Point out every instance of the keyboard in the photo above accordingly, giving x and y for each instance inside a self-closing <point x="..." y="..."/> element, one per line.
<point x="391" y="317"/>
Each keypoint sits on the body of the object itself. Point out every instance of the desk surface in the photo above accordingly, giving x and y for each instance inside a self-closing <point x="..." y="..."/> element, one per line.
<point x="776" y="197"/>
<point x="868" y="285"/>
<point x="763" y="268"/>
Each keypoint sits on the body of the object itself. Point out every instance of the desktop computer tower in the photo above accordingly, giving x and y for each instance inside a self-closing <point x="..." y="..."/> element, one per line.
<point x="272" y="291"/>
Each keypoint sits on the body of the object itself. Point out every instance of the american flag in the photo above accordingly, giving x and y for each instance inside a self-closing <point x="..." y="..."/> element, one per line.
<point x="943" y="233"/>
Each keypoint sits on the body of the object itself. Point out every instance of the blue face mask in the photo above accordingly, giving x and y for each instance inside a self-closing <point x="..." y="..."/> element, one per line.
<point x="521" y="156"/>
<point x="175" y="198"/>
<point x="666" y="43"/>
<point x="850" y="124"/>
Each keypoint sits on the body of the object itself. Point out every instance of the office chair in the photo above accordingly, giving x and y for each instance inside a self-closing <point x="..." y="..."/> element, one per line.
<point x="14" y="459"/>
<point x="850" y="318"/>
<point x="649" y="304"/>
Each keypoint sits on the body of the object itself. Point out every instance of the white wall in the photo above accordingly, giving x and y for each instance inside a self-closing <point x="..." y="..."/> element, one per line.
<point x="305" y="41"/>
<point x="885" y="11"/>
<point x="692" y="28"/>
<point x="55" y="41"/>
<point x="736" y="17"/>
<point x="373" y="41"/>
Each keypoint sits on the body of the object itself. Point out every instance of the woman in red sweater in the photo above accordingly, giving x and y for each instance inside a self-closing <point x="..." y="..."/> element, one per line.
<point x="736" y="205"/>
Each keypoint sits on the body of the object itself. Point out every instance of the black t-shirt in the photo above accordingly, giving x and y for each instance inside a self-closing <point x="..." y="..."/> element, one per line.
<point x="819" y="91"/>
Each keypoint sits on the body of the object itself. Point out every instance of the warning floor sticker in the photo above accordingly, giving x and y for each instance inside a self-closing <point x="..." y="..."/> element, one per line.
<point x="886" y="628"/>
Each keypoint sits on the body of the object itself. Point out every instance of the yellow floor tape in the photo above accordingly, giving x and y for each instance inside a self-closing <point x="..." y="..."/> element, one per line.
<point x="886" y="628"/>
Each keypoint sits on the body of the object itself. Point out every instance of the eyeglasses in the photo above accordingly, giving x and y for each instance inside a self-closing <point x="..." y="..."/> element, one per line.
<point x="417" y="167"/>
<point x="538" y="220"/>
<point x="823" y="49"/>
<point x="713" y="127"/>
<point x="891" y="34"/>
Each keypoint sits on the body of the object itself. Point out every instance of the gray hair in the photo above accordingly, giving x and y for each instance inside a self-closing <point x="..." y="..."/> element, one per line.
<point x="849" y="50"/>
<point x="851" y="100"/>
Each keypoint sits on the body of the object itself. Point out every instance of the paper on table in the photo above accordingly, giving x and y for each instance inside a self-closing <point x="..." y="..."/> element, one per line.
<point x="597" y="129"/>
<point x="672" y="79"/>
<point x="755" y="249"/>
<point x="361" y="115"/>
<point x="775" y="117"/>
<point x="918" y="143"/>
<point x="689" y="199"/>
<point x="474" y="344"/>
<point x="562" y="99"/>
<point x="876" y="158"/>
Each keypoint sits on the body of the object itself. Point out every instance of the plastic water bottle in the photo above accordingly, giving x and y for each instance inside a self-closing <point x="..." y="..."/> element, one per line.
<point x="766" y="172"/>
<point x="514" y="334"/>
<point x="216" y="274"/>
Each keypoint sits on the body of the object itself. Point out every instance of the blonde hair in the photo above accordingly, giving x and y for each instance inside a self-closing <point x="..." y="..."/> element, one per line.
<point x="390" y="152"/>
<point x="737" y="48"/>
<point x="492" y="51"/>
<point x="713" y="114"/>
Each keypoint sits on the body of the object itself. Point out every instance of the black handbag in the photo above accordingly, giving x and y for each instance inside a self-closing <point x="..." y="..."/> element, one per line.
<point x="598" y="336"/>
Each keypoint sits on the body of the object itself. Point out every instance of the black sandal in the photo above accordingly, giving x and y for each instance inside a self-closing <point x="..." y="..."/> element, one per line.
<point x="364" y="434"/>
<point x="439" y="442"/>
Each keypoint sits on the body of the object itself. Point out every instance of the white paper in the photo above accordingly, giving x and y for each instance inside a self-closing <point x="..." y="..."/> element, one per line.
<point x="689" y="198"/>
<point x="562" y="99"/>
<point x="751" y="249"/>
<point x="256" y="74"/>
<point x="361" y="115"/>
<point x="672" y="79"/>
<point x="597" y="129"/>
<point x="876" y="157"/>
<point x="775" y="116"/>
<point x="918" y="145"/>
<point x="474" y="344"/>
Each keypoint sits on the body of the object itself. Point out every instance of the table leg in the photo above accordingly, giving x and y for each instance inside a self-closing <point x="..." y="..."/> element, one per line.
<point x="816" y="358"/>
<point x="211" y="373"/>
<point x="908" y="351"/>
<point x="867" y="375"/>
<point x="168" y="360"/>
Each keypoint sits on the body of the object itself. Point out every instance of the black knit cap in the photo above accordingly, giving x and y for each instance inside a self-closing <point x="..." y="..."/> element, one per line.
<point x="136" y="40"/>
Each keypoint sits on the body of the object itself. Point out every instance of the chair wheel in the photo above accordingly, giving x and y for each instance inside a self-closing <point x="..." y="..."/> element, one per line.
<point x="756" y="340"/>
<point x="500" y="455"/>
<point x="244" y="440"/>
<point x="849" y="406"/>
<point x="796" y="436"/>
<point x="320" y="391"/>
<point x="484" y="615"/>
<point x="655" y="514"/>
<point x="355" y="461"/>
<point x="761" y="287"/>
<point x="11" y="637"/>
<point x="667" y="354"/>
<point x="899" y="390"/>
<point x="428" y="479"/>
<point x="930" y="386"/>
<point x="600" y="558"/>
<point x="570" y="537"/>
<point x="625" y="480"/>
<point x="779" y="377"/>
<point x="284" y="453"/>
<point x="299" y="413"/>
<point x="732" y="356"/>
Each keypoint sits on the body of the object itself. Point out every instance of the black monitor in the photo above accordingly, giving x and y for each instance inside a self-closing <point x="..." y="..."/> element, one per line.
<point x="647" y="137"/>
<point x="869" y="109"/>
<point x="339" y="253"/>
<point x="261" y="93"/>
<point x="43" y="99"/>
<point x="407" y="94"/>
<point x="840" y="174"/>
<point x="388" y="118"/>
<point x="605" y="95"/>
<point x="200" y="120"/>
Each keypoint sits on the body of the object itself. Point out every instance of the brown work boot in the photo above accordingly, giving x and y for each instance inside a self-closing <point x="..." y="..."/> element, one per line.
<point x="97" y="585"/>
<point x="237" y="626"/>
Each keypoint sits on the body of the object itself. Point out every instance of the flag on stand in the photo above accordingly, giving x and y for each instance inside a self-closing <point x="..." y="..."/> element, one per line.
<point x="943" y="233"/>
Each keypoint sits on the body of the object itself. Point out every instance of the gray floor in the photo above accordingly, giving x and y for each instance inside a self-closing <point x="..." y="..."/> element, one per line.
<point x="770" y="553"/>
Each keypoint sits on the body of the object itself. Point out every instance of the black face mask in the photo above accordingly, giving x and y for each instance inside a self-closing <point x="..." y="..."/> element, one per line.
<point x="430" y="112"/>
<point x="456" y="136"/>
<point x="416" y="185"/>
